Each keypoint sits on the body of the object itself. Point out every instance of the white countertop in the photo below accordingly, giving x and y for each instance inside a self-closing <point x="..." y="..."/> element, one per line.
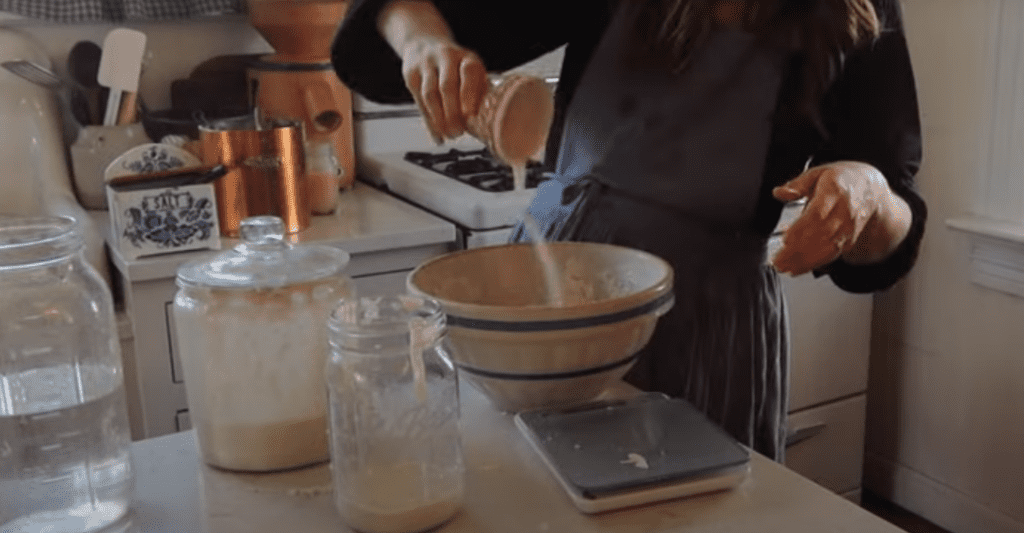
<point x="366" y="220"/>
<point x="508" y="490"/>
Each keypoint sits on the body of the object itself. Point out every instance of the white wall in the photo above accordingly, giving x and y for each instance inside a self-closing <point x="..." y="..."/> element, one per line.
<point x="946" y="398"/>
<point x="173" y="49"/>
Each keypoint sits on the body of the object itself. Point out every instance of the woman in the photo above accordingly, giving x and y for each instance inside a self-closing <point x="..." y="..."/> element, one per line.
<point x="681" y="128"/>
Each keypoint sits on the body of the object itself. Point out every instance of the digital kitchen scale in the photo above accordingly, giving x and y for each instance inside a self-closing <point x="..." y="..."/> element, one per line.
<point x="622" y="453"/>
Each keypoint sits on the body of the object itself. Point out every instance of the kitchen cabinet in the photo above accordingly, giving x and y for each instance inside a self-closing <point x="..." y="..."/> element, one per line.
<point x="830" y="342"/>
<point x="830" y="338"/>
<point x="827" y="444"/>
<point x="385" y="237"/>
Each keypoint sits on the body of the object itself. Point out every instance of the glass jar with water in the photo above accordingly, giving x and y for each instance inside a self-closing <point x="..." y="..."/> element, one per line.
<point x="65" y="458"/>
<point x="393" y="395"/>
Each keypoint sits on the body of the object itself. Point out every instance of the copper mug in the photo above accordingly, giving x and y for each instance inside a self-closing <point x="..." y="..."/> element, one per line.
<point x="514" y="117"/>
<point x="266" y="170"/>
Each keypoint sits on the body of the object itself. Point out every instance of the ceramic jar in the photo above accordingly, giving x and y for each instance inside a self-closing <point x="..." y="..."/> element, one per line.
<point x="514" y="117"/>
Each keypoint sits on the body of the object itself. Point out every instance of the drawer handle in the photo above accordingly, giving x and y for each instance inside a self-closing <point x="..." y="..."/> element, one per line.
<point x="798" y="435"/>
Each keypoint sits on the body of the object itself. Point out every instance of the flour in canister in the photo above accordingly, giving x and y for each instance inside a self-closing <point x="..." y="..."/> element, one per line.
<point x="254" y="361"/>
<point x="399" y="498"/>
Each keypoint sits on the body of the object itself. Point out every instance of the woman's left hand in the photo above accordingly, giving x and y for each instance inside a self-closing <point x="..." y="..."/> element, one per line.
<point x="851" y="213"/>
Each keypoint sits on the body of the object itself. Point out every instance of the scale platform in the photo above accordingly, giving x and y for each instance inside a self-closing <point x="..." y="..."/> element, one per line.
<point x="622" y="453"/>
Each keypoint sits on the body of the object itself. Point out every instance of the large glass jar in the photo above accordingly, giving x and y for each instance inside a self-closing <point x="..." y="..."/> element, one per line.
<point x="252" y="334"/>
<point x="65" y="458"/>
<point x="396" y="454"/>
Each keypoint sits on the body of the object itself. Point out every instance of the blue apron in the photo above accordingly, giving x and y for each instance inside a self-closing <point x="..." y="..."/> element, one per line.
<point x="672" y="164"/>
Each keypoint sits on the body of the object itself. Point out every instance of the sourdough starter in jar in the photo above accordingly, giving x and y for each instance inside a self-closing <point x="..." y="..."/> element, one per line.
<point x="251" y="330"/>
<point x="396" y="453"/>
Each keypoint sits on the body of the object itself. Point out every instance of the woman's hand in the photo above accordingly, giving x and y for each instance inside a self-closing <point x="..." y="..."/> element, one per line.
<point x="851" y="213"/>
<point x="447" y="81"/>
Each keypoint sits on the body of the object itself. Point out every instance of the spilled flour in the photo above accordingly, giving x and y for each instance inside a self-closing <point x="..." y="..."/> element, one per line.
<point x="309" y="482"/>
<point x="636" y="460"/>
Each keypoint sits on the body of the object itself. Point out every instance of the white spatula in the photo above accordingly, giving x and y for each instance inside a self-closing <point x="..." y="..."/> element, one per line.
<point x="120" y="67"/>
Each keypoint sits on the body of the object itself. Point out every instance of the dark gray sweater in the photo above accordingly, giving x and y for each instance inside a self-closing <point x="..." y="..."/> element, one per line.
<point x="869" y="113"/>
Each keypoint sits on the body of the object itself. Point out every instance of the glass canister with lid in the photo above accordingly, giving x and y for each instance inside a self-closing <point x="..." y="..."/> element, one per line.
<point x="251" y="331"/>
<point x="65" y="448"/>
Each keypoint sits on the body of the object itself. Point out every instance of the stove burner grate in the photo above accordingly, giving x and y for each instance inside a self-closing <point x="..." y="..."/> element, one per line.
<point x="477" y="168"/>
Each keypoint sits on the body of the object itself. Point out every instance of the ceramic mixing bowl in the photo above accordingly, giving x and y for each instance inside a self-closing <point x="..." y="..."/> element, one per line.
<point x="525" y="348"/>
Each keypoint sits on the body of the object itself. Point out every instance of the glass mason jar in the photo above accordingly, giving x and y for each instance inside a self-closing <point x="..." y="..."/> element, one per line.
<point x="251" y="326"/>
<point x="65" y="458"/>
<point x="396" y="455"/>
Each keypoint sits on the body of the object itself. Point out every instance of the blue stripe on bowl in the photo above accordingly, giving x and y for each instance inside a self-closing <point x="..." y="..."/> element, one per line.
<point x="553" y="325"/>
<point x="550" y="376"/>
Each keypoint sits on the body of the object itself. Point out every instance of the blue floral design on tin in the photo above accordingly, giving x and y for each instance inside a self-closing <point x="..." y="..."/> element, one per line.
<point x="170" y="219"/>
<point x="154" y="158"/>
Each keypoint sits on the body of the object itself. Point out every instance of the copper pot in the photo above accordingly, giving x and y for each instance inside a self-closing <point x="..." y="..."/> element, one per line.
<point x="266" y="172"/>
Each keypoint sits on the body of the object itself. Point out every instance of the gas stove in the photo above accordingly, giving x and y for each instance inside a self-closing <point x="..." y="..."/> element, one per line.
<point x="477" y="168"/>
<point x="467" y="186"/>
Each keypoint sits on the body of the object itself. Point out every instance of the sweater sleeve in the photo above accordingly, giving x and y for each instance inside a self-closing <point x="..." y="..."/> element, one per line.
<point x="504" y="34"/>
<point x="872" y="116"/>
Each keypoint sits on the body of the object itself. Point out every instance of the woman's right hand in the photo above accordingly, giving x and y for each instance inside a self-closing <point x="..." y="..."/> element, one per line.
<point x="446" y="80"/>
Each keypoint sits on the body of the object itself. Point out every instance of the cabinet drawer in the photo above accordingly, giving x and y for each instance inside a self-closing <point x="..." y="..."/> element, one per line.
<point x="827" y="444"/>
<point x="182" y="421"/>
<point x="853" y="496"/>
<point x="177" y="374"/>
<point x="830" y="341"/>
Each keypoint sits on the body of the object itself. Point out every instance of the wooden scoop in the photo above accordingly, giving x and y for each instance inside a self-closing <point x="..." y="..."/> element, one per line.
<point x="120" y="68"/>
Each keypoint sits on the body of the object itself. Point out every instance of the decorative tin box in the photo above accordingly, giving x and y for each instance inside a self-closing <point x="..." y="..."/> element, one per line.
<point x="165" y="212"/>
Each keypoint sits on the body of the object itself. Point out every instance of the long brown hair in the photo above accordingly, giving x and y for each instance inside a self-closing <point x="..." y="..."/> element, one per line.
<point x="823" y="32"/>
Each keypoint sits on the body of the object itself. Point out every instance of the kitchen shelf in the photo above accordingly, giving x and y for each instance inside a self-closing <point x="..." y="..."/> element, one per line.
<point x="987" y="227"/>
<point x="996" y="257"/>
